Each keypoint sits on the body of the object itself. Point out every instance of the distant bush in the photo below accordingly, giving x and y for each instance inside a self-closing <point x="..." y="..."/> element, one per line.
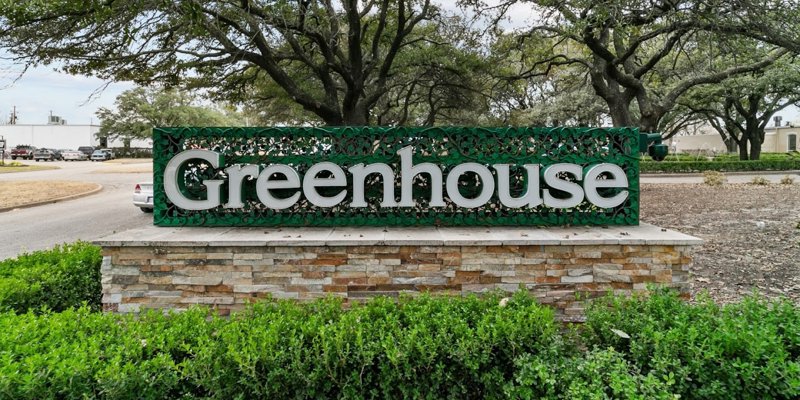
<point x="428" y="347"/>
<point x="57" y="279"/>
<point x="763" y="157"/>
<point x="787" y="180"/>
<point x="729" y="166"/>
<point x="133" y="152"/>
<point x="759" y="180"/>
<point x="714" y="178"/>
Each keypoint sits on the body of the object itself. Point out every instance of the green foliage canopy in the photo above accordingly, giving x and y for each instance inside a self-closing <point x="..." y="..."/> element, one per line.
<point x="138" y="110"/>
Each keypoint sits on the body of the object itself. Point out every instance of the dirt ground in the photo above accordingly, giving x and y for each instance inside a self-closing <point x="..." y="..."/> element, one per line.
<point x="14" y="194"/>
<point x="751" y="235"/>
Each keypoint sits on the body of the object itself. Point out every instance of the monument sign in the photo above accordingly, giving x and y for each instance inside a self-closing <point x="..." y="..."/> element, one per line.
<point x="366" y="176"/>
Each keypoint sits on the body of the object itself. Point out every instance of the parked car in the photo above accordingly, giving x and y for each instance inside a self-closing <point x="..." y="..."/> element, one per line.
<point x="102" y="155"/>
<point x="143" y="196"/>
<point x="74" y="155"/>
<point x="88" y="150"/>
<point x="44" y="154"/>
<point x="23" y="151"/>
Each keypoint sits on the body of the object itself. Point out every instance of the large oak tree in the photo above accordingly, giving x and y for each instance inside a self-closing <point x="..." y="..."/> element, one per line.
<point x="333" y="58"/>
<point x="641" y="56"/>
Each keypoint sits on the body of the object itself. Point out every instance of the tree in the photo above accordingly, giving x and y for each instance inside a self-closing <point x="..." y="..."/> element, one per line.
<point x="630" y="50"/>
<point x="440" y="79"/>
<point x="741" y="108"/>
<point x="139" y="110"/>
<point x="334" y="59"/>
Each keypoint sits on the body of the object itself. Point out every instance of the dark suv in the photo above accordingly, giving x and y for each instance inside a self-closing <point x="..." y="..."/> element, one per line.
<point x="88" y="150"/>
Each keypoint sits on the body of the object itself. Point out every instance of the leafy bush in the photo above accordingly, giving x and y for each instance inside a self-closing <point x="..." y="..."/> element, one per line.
<point x="57" y="279"/>
<point x="597" y="374"/>
<point x="763" y="157"/>
<point x="700" y="166"/>
<point x="759" y="180"/>
<point x="745" y="350"/>
<point x="426" y="347"/>
<point x="416" y="348"/>
<point x="787" y="180"/>
<point x="714" y="178"/>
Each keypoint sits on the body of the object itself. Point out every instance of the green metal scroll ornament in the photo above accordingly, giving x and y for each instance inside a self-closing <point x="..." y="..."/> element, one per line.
<point x="339" y="176"/>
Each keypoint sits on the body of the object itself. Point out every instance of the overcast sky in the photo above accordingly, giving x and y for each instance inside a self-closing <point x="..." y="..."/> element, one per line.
<point x="42" y="90"/>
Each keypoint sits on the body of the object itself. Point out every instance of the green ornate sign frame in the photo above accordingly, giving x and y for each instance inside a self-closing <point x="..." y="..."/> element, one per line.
<point x="447" y="147"/>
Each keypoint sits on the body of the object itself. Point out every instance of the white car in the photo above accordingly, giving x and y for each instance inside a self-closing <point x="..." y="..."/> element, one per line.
<point x="143" y="196"/>
<point x="73" y="155"/>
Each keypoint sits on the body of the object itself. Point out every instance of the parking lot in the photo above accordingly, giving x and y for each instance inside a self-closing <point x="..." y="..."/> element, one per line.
<point x="86" y="218"/>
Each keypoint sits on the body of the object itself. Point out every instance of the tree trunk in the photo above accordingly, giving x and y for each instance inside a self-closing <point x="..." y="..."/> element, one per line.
<point x="731" y="145"/>
<point x="620" y="115"/>
<point x="743" y="154"/>
<point x="755" y="147"/>
<point x="356" y="116"/>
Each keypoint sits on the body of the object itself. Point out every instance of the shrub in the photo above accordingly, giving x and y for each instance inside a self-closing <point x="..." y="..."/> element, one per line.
<point x="415" y="348"/>
<point x="759" y="180"/>
<point x="787" y="180"/>
<point x="729" y="166"/>
<point x="56" y="279"/>
<point x="714" y="178"/>
<point x="745" y="350"/>
<point x="424" y="347"/>
<point x="597" y="374"/>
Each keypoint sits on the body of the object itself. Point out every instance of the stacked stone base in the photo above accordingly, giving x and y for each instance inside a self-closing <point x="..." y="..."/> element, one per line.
<point x="227" y="275"/>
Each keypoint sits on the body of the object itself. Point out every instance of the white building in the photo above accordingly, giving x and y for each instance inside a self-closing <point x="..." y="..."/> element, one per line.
<point x="60" y="136"/>
<point x="776" y="140"/>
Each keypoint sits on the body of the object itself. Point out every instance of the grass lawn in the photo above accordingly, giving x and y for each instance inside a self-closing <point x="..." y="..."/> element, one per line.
<point x="20" y="193"/>
<point x="10" y="167"/>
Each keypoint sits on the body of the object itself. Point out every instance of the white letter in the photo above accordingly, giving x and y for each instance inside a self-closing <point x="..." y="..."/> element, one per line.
<point x="360" y="173"/>
<point x="487" y="185"/>
<point x="311" y="182"/>
<point x="236" y="174"/>
<point x="531" y="198"/>
<point x="618" y="179"/>
<point x="174" y="193"/>
<point x="264" y="185"/>
<point x="552" y="180"/>
<point x="409" y="171"/>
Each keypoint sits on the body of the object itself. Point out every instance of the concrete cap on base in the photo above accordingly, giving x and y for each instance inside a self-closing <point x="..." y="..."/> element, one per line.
<point x="644" y="234"/>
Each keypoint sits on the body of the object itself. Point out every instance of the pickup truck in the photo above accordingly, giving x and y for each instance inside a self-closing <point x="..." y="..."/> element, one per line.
<point x="23" y="151"/>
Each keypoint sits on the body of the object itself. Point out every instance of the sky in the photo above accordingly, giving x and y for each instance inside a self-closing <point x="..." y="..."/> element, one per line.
<point x="42" y="90"/>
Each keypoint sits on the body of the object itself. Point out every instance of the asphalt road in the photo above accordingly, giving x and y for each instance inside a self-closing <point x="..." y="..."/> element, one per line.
<point x="86" y="218"/>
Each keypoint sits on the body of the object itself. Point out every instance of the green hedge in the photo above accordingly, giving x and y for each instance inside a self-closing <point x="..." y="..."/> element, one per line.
<point x="57" y="279"/>
<point x="745" y="350"/>
<point x="728" y="166"/>
<point x="412" y="348"/>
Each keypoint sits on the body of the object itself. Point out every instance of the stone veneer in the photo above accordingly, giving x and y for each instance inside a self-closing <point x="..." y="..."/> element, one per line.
<point x="226" y="268"/>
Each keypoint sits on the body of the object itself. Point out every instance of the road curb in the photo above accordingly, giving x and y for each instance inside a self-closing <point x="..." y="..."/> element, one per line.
<point x="56" y="200"/>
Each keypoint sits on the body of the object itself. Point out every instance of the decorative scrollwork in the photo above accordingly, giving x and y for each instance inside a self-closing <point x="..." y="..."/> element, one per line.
<point x="302" y="147"/>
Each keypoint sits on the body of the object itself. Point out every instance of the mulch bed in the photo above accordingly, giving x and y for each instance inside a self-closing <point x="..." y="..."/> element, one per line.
<point x="751" y="235"/>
